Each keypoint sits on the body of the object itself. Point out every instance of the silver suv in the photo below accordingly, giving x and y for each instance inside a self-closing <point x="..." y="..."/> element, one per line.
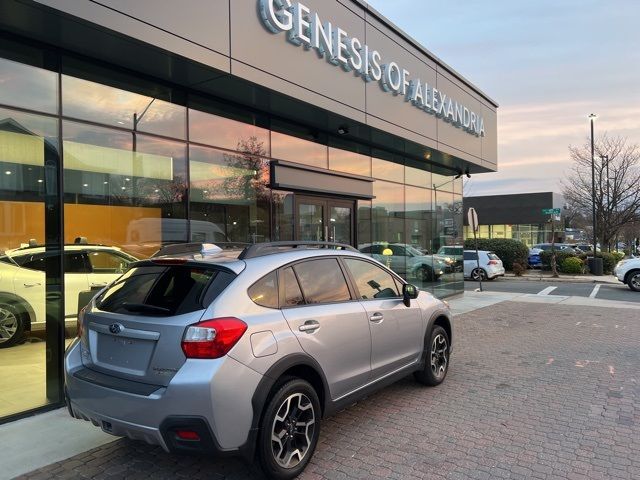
<point x="221" y="353"/>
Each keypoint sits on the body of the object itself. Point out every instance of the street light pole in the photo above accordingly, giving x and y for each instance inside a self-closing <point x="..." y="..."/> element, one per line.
<point x="592" y="117"/>
<point x="605" y="167"/>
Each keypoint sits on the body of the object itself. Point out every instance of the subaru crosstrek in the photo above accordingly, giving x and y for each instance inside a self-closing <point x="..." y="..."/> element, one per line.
<point x="219" y="353"/>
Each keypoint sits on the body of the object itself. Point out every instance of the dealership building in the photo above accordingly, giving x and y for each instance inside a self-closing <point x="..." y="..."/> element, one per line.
<point x="125" y="125"/>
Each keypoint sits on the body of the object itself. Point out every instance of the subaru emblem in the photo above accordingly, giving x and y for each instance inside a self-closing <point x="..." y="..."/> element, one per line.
<point x="115" y="328"/>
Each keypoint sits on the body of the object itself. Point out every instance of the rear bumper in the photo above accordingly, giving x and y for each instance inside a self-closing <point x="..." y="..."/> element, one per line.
<point x="212" y="397"/>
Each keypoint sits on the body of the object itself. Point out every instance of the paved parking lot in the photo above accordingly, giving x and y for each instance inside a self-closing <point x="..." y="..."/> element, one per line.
<point x="617" y="292"/>
<point x="535" y="391"/>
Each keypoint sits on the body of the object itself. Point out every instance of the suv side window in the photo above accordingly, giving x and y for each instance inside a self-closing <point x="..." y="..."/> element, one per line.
<point x="107" y="262"/>
<point x="371" y="280"/>
<point x="265" y="291"/>
<point x="292" y="293"/>
<point x="398" y="250"/>
<point x="470" y="256"/>
<point x="76" y="262"/>
<point x="322" y="281"/>
<point x="32" y="262"/>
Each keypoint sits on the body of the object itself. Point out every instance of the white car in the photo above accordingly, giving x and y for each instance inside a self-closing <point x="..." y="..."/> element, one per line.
<point x="22" y="283"/>
<point x="490" y="265"/>
<point x="628" y="271"/>
<point x="406" y="260"/>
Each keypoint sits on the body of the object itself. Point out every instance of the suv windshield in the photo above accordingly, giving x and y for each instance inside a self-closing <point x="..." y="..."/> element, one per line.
<point x="164" y="290"/>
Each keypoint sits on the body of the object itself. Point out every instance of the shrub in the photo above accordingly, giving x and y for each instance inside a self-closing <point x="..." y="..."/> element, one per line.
<point x="572" y="265"/>
<point x="545" y="258"/>
<point x="609" y="260"/>
<point x="508" y="250"/>
<point x="519" y="269"/>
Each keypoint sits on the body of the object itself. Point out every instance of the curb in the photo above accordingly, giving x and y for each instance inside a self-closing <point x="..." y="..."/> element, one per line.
<point x="561" y="279"/>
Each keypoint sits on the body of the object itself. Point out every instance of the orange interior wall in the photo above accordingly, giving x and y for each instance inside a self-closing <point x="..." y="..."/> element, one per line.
<point x="104" y="224"/>
<point x="19" y="222"/>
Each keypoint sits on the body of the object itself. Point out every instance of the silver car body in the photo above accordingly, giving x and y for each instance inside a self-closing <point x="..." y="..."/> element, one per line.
<point x="136" y="382"/>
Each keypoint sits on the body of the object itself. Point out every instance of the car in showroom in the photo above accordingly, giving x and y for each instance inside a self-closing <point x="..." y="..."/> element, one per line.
<point x="407" y="260"/>
<point x="488" y="267"/>
<point x="628" y="272"/>
<point x="222" y="352"/>
<point x="22" y="283"/>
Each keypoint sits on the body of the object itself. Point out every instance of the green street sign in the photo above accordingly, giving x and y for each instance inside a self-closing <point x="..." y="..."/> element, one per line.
<point x="551" y="211"/>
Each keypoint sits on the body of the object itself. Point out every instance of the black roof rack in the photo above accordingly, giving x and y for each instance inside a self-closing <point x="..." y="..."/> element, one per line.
<point x="267" y="248"/>
<point x="195" y="248"/>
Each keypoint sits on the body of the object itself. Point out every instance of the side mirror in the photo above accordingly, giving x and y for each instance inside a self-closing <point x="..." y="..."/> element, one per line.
<point x="409" y="292"/>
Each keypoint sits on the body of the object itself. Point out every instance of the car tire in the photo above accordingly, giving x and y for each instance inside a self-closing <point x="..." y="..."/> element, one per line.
<point x="425" y="274"/>
<point x="12" y="324"/>
<point x="293" y="415"/>
<point x="436" y="364"/>
<point x="633" y="280"/>
<point x="478" y="272"/>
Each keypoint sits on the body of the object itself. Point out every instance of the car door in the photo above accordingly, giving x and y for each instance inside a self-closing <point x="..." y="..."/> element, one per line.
<point x="397" y="337"/>
<point x="106" y="266"/>
<point x="330" y="326"/>
<point x="76" y="267"/>
<point x="29" y="282"/>
<point x="470" y="262"/>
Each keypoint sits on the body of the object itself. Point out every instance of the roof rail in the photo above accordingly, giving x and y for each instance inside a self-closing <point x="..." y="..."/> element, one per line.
<point x="267" y="248"/>
<point x="197" y="248"/>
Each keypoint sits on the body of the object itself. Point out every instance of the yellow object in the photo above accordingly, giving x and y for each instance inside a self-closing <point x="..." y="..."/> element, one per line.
<point x="387" y="251"/>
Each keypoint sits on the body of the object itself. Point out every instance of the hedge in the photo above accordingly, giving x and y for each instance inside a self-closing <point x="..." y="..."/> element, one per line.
<point x="545" y="258"/>
<point x="609" y="260"/>
<point x="508" y="250"/>
<point x="572" y="265"/>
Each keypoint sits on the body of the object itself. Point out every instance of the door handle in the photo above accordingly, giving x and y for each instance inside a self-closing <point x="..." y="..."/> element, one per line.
<point x="376" y="317"/>
<point x="93" y="285"/>
<point x="309" y="326"/>
<point x="36" y="284"/>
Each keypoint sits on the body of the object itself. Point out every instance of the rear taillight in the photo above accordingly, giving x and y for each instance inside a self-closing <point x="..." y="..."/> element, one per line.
<point x="492" y="262"/>
<point x="212" y="338"/>
<point x="80" y="322"/>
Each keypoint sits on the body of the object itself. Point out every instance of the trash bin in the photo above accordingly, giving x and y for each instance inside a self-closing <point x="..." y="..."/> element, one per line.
<point x="595" y="265"/>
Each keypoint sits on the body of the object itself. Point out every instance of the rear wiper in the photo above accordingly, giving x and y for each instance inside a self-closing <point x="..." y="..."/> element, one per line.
<point x="143" y="307"/>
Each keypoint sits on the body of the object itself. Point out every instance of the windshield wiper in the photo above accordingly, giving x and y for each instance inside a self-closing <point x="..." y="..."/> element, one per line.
<point x="143" y="307"/>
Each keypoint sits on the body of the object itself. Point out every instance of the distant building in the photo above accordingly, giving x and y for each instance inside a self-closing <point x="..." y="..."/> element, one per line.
<point x="518" y="216"/>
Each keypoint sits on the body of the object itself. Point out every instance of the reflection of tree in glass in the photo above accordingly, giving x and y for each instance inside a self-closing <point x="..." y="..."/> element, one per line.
<point x="251" y="179"/>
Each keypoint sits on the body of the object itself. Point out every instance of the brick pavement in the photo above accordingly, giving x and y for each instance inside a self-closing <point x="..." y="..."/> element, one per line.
<point x="534" y="391"/>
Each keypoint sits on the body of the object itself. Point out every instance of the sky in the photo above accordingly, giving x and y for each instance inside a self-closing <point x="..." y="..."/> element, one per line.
<point x="548" y="64"/>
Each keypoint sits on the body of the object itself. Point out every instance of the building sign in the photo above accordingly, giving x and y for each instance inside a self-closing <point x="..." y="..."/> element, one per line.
<point x="305" y="27"/>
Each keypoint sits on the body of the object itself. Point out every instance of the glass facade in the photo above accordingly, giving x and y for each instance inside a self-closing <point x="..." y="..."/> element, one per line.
<point x="99" y="168"/>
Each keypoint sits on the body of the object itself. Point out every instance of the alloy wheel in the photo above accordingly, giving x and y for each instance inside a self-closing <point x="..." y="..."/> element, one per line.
<point x="635" y="281"/>
<point x="477" y="274"/>
<point x="439" y="356"/>
<point x="8" y="324"/>
<point x="292" y="431"/>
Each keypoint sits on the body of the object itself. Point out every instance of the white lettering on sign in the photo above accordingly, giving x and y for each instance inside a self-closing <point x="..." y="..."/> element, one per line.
<point x="305" y="27"/>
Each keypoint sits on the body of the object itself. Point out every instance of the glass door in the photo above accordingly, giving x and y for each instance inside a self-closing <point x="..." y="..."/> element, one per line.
<point x="324" y="220"/>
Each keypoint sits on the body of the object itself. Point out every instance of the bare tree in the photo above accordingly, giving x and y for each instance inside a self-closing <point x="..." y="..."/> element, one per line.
<point x="617" y="180"/>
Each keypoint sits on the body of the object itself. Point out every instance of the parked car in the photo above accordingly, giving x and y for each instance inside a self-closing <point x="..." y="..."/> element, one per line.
<point x="407" y="260"/>
<point x="452" y="257"/>
<point x="215" y="354"/>
<point x="22" y="283"/>
<point x="490" y="265"/>
<point x="564" y="247"/>
<point x="534" y="257"/>
<point x="628" y="271"/>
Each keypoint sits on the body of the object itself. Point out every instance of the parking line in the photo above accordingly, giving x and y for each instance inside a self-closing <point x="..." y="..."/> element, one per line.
<point x="594" y="292"/>
<point x="547" y="291"/>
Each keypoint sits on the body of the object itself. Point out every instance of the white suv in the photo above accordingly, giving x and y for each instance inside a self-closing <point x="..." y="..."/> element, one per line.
<point x="22" y="283"/>
<point x="628" y="271"/>
<point x="490" y="265"/>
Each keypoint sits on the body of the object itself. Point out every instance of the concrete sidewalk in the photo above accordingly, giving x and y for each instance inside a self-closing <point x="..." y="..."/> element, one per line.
<point x="51" y="437"/>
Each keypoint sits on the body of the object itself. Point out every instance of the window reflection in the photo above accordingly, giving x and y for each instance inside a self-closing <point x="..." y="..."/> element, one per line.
<point x="287" y="147"/>
<point x="349" y="162"/>
<point x="231" y="192"/>
<point x="418" y="177"/>
<point x="99" y="103"/>
<point x="139" y="196"/>
<point x="224" y="132"/>
<point x="28" y="87"/>
<point x="386" y="170"/>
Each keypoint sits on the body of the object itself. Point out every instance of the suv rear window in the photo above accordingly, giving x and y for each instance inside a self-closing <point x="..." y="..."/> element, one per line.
<point x="493" y="256"/>
<point x="160" y="290"/>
